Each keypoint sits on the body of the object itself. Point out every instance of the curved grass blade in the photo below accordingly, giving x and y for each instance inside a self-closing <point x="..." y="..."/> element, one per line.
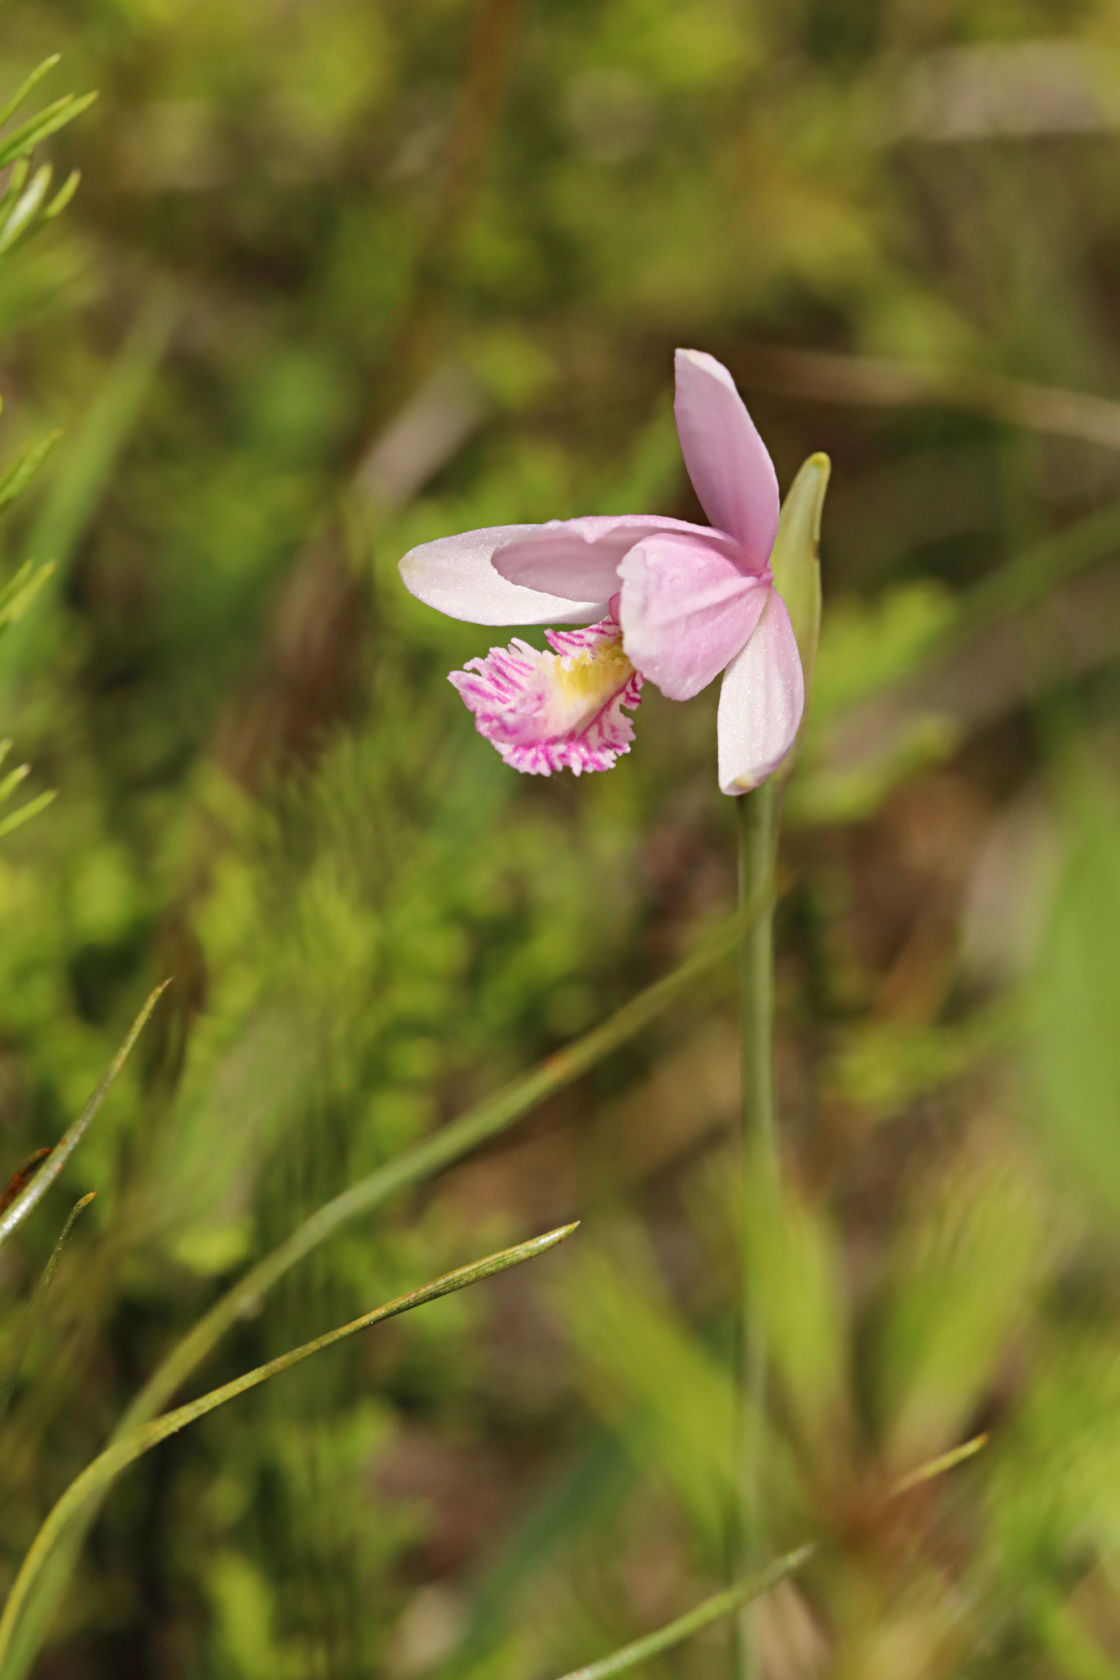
<point x="23" y="1338"/>
<point x="472" y="1129"/>
<point x="17" y="175"/>
<point x="61" y="1153"/>
<point x="28" y="86"/>
<point x="49" y="120"/>
<point x="23" y="469"/>
<point x="733" y="1598"/>
<point x="14" y="779"/>
<point x="63" y="196"/>
<point x="98" y="1475"/>
<point x="477" y="1126"/>
<point x="693" y="1621"/>
<point x="938" y="1466"/>
<point x="91" y="453"/>
<point x="17" y="818"/>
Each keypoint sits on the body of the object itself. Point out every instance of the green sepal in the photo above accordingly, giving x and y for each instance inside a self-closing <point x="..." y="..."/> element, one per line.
<point x="796" y="558"/>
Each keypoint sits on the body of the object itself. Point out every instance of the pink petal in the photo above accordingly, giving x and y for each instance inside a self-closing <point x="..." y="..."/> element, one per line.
<point x="579" y="557"/>
<point x="555" y="711"/>
<point x="685" y="612"/>
<point x="761" y="702"/>
<point x="727" y="461"/>
<point x="456" y="575"/>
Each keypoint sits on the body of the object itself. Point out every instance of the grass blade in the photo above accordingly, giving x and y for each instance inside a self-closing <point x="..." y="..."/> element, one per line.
<point x="17" y="176"/>
<point x="86" y="464"/>
<point x="28" y="86"/>
<point x="27" y="206"/>
<point x="693" y="1621"/>
<point x="472" y="1129"/>
<point x="14" y="778"/>
<point x="23" y="1337"/>
<point x="97" y="1476"/>
<point x="477" y="1126"/>
<point x="45" y="1177"/>
<point x="63" y="196"/>
<point x="25" y="466"/>
<point x="733" y="1598"/>
<point x="27" y="136"/>
<point x="16" y="819"/>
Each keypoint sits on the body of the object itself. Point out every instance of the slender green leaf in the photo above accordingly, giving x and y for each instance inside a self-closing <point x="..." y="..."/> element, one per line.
<point x="23" y="1337"/>
<point x="8" y="785"/>
<point x="26" y="87"/>
<point x="472" y="1129"/>
<point x="477" y="1126"/>
<point x="22" y="214"/>
<point x="733" y="1598"/>
<point x="48" y="121"/>
<point x="40" y="1184"/>
<point x="63" y="196"/>
<point x="694" y="1621"/>
<point x="14" y="778"/>
<point x="18" y="175"/>
<point x="24" y="467"/>
<point x="104" y="1469"/>
<point x="1073" y="1052"/>
<point x="16" y="819"/>
<point x="83" y="468"/>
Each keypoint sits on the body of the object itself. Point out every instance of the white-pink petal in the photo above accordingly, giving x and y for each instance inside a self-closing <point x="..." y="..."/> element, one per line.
<point x="456" y="576"/>
<point x="579" y="558"/>
<point x="760" y="702"/>
<point x="686" y="610"/>
<point x="727" y="461"/>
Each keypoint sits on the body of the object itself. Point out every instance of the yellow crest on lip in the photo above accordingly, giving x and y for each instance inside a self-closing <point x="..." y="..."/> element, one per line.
<point x="589" y="678"/>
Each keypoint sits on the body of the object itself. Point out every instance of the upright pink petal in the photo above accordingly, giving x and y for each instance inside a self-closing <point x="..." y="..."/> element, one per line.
<point x="456" y="575"/>
<point x="555" y="711"/>
<point x="727" y="461"/>
<point x="579" y="557"/>
<point x="685" y="612"/>
<point x="761" y="702"/>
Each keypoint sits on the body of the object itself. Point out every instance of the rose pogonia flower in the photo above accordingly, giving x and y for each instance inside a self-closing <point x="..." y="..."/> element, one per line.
<point x="659" y="600"/>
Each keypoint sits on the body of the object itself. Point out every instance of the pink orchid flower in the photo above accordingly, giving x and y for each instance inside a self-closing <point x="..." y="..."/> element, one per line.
<point x="659" y="600"/>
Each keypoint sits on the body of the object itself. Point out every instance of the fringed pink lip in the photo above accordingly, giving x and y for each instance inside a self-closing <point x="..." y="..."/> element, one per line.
<point x="663" y="600"/>
<point x="555" y="711"/>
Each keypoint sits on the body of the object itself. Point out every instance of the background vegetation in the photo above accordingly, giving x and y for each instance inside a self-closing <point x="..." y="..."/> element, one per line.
<point x="346" y="274"/>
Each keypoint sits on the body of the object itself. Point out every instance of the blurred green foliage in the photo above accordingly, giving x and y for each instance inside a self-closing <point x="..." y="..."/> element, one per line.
<point x="343" y="276"/>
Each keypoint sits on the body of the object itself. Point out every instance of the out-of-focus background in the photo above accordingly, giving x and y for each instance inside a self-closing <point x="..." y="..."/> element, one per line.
<point x="344" y="275"/>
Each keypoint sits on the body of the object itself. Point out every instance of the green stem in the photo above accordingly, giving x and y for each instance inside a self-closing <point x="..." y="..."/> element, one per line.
<point x="758" y="835"/>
